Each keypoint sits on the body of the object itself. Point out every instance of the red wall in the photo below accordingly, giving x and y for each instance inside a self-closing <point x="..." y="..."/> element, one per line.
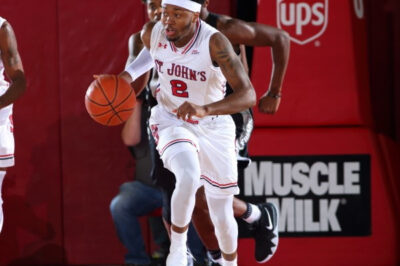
<point x="68" y="168"/>
<point x="326" y="110"/>
<point x="325" y="82"/>
<point x="32" y="190"/>
<point x="331" y="250"/>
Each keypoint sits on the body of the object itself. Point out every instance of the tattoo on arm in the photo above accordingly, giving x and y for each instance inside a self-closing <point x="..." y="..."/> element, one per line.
<point x="230" y="64"/>
<point x="223" y="55"/>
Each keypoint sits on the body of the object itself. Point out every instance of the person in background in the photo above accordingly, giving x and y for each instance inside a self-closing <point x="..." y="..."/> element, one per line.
<point x="11" y="64"/>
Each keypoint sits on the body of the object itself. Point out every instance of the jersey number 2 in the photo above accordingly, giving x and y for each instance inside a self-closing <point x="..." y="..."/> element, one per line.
<point x="179" y="88"/>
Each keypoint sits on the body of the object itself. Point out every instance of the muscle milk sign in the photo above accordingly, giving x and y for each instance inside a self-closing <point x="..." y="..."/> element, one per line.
<point x="315" y="195"/>
<point x="304" y="20"/>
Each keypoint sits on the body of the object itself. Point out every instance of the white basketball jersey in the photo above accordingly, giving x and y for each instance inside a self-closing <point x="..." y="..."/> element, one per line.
<point x="6" y="111"/>
<point x="186" y="73"/>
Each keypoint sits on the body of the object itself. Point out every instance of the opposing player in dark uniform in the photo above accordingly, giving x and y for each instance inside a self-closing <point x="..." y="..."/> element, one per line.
<point x="251" y="34"/>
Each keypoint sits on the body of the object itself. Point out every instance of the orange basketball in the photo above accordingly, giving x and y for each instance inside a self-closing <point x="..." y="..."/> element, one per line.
<point x="110" y="100"/>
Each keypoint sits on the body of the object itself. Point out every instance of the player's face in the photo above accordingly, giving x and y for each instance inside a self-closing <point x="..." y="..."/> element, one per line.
<point x="154" y="9"/>
<point x="178" y="23"/>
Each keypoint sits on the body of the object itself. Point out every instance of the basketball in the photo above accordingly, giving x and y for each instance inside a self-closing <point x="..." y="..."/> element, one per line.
<point x="110" y="100"/>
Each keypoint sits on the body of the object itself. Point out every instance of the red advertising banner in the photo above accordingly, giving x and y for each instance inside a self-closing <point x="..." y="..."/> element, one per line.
<point x="327" y="77"/>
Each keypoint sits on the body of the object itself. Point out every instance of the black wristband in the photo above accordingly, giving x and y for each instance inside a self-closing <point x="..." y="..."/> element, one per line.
<point x="248" y="211"/>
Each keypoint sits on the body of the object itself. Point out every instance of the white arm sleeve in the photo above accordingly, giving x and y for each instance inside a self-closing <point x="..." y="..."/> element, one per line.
<point x="142" y="63"/>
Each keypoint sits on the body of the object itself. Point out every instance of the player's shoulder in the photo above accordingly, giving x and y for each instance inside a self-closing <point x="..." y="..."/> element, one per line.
<point x="4" y="24"/>
<point x="135" y="39"/>
<point x="218" y="40"/>
<point x="149" y="26"/>
<point x="2" y="21"/>
<point x="5" y="29"/>
<point x="228" y="24"/>
<point x="147" y="32"/>
<point x="135" y="44"/>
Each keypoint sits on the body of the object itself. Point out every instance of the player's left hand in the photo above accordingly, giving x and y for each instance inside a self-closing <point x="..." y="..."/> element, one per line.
<point x="187" y="110"/>
<point x="268" y="104"/>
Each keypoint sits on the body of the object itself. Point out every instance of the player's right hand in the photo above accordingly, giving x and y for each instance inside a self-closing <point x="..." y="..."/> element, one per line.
<point x="188" y="110"/>
<point x="126" y="76"/>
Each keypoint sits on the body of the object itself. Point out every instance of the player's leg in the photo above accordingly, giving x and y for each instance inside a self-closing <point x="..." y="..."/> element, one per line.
<point x="6" y="151"/>
<point x="204" y="226"/>
<point x="182" y="160"/>
<point x="134" y="200"/>
<point x="2" y="175"/>
<point x="178" y="149"/>
<point x="165" y="180"/>
<point x="193" y="242"/>
<point x="263" y="223"/>
<point x="219" y="176"/>
<point x="226" y="229"/>
<point x="255" y="215"/>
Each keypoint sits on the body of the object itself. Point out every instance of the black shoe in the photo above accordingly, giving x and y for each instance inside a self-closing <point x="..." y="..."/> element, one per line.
<point x="265" y="232"/>
<point x="213" y="258"/>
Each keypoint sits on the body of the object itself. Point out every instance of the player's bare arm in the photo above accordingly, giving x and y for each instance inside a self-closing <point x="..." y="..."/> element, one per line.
<point x="243" y="58"/>
<point x="146" y="33"/>
<point x="135" y="45"/>
<point x="255" y="34"/>
<point x="131" y="132"/>
<point x="12" y="65"/>
<point x="243" y="96"/>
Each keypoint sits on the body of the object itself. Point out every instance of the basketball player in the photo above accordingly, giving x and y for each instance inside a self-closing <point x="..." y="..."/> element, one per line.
<point x="11" y="64"/>
<point x="140" y="197"/>
<point x="195" y="135"/>
<point x="252" y="34"/>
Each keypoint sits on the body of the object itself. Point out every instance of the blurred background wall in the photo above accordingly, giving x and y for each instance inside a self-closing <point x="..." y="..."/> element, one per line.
<point x="340" y="98"/>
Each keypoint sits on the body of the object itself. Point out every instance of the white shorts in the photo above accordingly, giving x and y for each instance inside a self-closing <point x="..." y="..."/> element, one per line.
<point x="214" y="139"/>
<point x="6" y="141"/>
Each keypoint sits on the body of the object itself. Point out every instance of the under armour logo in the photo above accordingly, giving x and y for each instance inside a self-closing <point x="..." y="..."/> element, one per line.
<point x="162" y="45"/>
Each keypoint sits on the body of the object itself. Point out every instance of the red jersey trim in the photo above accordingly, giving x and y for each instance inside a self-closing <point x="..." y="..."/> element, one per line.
<point x="192" y="41"/>
<point x="169" y="144"/>
<point x="216" y="184"/>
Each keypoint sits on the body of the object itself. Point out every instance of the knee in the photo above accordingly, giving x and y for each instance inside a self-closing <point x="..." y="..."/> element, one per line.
<point x="220" y="223"/>
<point x="120" y="206"/>
<point x="115" y="206"/>
<point x="229" y="227"/>
<point x="189" y="179"/>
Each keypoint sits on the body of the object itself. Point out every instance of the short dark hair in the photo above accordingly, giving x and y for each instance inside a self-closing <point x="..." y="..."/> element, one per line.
<point x="199" y="1"/>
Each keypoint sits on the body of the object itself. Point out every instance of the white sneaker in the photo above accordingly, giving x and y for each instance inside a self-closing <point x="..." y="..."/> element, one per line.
<point x="177" y="257"/>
